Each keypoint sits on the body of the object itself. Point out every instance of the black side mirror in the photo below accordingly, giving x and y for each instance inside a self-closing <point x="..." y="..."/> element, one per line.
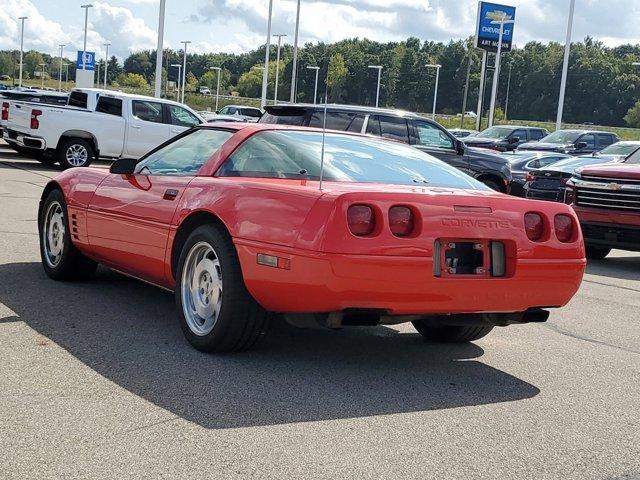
<point x="513" y="140"/>
<point x="460" y="147"/>
<point x="123" y="166"/>
<point x="580" y="145"/>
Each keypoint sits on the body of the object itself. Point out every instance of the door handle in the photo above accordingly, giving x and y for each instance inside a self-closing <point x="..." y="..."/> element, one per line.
<point x="170" y="194"/>
<point x="137" y="127"/>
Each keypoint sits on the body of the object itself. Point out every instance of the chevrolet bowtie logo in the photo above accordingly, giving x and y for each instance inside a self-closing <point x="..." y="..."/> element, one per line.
<point x="614" y="186"/>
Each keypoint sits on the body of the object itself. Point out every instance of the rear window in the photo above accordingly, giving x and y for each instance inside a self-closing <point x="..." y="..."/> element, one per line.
<point x="293" y="118"/>
<point x="344" y="121"/>
<point x="251" y="112"/>
<point x="109" y="105"/>
<point x="78" y="99"/>
<point x="297" y="155"/>
<point x="536" y="134"/>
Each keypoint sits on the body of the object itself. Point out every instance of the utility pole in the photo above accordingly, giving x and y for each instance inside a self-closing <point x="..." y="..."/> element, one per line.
<point x="506" y="103"/>
<point x="106" y="64"/>
<point x="496" y="73"/>
<point x="435" y="92"/>
<point x="466" y="92"/>
<point x="315" y="88"/>
<point x="565" y="65"/>
<point x="265" y="72"/>
<point x="294" y="70"/>
<point x="184" y="67"/>
<point x="84" y="48"/>
<point x="62" y="45"/>
<point x="275" y="94"/>
<point x="379" y="68"/>
<point x="483" y="73"/>
<point x="22" y="19"/>
<point x="158" y="83"/>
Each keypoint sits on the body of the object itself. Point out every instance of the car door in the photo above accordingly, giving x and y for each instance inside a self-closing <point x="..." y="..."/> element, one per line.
<point x="179" y="119"/>
<point x="432" y="139"/>
<point x="129" y="216"/>
<point x="604" y="140"/>
<point x="590" y="140"/>
<point x="147" y="128"/>
<point x="521" y="135"/>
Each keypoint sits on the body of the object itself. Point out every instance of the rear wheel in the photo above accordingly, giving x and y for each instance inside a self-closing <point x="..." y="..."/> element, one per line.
<point x="450" y="334"/>
<point x="75" y="152"/>
<point x="597" y="253"/>
<point x="218" y="313"/>
<point x="60" y="258"/>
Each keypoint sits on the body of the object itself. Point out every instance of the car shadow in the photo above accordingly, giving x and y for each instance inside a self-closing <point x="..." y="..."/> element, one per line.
<point x="128" y="332"/>
<point x="623" y="268"/>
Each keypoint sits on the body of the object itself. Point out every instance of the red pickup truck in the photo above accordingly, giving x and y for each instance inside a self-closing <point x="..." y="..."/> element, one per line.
<point x="607" y="201"/>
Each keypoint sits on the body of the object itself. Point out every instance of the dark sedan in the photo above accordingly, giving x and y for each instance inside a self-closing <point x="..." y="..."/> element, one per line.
<point x="572" y="142"/>
<point x="505" y="138"/>
<point x="522" y="163"/>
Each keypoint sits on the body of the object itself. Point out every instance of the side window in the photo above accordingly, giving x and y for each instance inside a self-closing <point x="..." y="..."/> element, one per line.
<point x="394" y="128"/>
<point x="223" y="110"/>
<point x="521" y="134"/>
<point x="343" y="121"/>
<point x="185" y="155"/>
<point x="589" y="139"/>
<point x="109" y="105"/>
<point x="182" y="117"/>
<point x="231" y="110"/>
<point x="429" y="135"/>
<point x="147" y="111"/>
<point x="373" y="126"/>
<point x="605" y="140"/>
<point x="78" y="99"/>
<point x="536" y="134"/>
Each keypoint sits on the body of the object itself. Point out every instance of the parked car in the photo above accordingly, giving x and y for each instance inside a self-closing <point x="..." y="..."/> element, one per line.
<point x="423" y="133"/>
<point x="204" y="91"/>
<point x="522" y="163"/>
<point x="248" y="114"/>
<point x="573" y="142"/>
<point x="462" y="132"/>
<point x="96" y="123"/>
<point x="549" y="183"/>
<point x="211" y="117"/>
<point x="235" y="220"/>
<point x="505" y="138"/>
<point x="606" y="199"/>
<point x="468" y="114"/>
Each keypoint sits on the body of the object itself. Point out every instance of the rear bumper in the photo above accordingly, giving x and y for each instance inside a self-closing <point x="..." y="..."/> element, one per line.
<point x="549" y="195"/>
<point x="24" y="140"/>
<point x="400" y="285"/>
<point x="623" y="237"/>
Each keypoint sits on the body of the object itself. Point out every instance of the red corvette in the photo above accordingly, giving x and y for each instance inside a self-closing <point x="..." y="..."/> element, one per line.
<point x="240" y="220"/>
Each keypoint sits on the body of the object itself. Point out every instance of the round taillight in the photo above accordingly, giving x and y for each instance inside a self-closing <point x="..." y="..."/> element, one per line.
<point x="401" y="221"/>
<point x="563" y="225"/>
<point x="361" y="220"/>
<point x="534" y="226"/>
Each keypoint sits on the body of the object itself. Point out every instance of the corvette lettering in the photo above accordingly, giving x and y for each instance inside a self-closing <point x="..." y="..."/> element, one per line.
<point x="470" y="223"/>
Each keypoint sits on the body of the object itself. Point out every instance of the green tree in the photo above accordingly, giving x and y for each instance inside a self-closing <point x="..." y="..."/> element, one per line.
<point x="250" y="83"/>
<point x="632" y="118"/>
<point x="192" y="82"/>
<point x="132" y="80"/>
<point x="337" y="78"/>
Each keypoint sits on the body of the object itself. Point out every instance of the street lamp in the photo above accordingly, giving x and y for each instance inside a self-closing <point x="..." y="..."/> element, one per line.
<point x="86" y="21"/>
<point x="22" y="19"/>
<point x="504" y="20"/>
<point x="42" y="79"/>
<point x="265" y="72"/>
<point x="294" y="70"/>
<point x="158" y="82"/>
<point x="275" y="94"/>
<point x="315" y="89"/>
<point x="379" y="67"/>
<point x="179" y="67"/>
<point x="106" y="63"/>
<point x="66" y="76"/>
<point x="565" y="65"/>
<point x="62" y="45"/>
<point x="435" y="92"/>
<point x="506" y="103"/>
<point x="218" y="88"/>
<point x="184" y="66"/>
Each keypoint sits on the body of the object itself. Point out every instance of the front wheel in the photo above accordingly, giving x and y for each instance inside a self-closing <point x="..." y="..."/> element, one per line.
<point x="450" y="333"/>
<point x="218" y="313"/>
<point x="75" y="152"/>
<point x="597" y="253"/>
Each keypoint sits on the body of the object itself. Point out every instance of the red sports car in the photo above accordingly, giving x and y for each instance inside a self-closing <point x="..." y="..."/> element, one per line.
<point x="245" y="220"/>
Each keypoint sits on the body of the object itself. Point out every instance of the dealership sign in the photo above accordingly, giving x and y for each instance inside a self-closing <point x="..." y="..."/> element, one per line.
<point x="487" y="32"/>
<point x="88" y="58"/>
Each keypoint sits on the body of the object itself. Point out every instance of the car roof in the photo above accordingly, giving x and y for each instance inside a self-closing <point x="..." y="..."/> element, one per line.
<point x="264" y="127"/>
<point x="241" y="106"/>
<point x="582" y="132"/>
<point x="341" y="107"/>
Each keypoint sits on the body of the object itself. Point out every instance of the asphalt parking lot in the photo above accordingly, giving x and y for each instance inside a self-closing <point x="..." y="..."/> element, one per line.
<point x="97" y="381"/>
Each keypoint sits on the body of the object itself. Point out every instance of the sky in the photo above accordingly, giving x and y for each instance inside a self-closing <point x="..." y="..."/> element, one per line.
<point x="240" y="25"/>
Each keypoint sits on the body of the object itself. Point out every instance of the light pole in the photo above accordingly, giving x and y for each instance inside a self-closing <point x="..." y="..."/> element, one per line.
<point x="265" y="72"/>
<point x="379" y="68"/>
<point x="505" y="20"/>
<point x="184" y="67"/>
<point x="106" y="64"/>
<point x="158" y="82"/>
<point x="98" y="75"/>
<point x="506" y="103"/>
<point x="294" y="65"/>
<point x="62" y="45"/>
<point x="22" y="19"/>
<point x="565" y="65"/>
<point x="435" y="92"/>
<point x="179" y="67"/>
<point x="86" y="21"/>
<point x="42" y="79"/>
<point x="466" y="92"/>
<point x="66" y="76"/>
<point x="315" y="88"/>
<point x="483" y="73"/>
<point x="275" y="94"/>
<point x="218" y="88"/>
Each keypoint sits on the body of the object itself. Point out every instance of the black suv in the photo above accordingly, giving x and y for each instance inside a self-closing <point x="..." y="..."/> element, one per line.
<point x="505" y="138"/>
<point x="573" y="142"/>
<point x="423" y="133"/>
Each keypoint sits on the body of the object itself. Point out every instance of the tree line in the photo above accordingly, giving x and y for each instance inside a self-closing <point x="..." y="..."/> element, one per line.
<point x="603" y="85"/>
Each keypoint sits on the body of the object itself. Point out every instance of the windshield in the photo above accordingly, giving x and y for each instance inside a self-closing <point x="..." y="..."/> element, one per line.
<point x="634" y="158"/>
<point x="495" y="132"/>
<point x="620" y="148"/>
<point x="561" y="137"/>
<point x="296" y="155"/>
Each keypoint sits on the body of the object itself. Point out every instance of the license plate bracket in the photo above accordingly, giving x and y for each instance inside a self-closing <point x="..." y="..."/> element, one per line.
<point x="456" y="257"/>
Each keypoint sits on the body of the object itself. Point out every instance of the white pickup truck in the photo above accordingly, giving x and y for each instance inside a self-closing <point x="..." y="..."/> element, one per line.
<point x="94" y="123"/>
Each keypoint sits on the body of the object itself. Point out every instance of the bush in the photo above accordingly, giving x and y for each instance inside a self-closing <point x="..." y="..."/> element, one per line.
<point x="632" y="118"/>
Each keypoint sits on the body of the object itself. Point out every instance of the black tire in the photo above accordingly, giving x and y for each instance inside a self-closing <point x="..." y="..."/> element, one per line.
<point x="240" y="321"/>
<point x="71" y="264"/>
<point x="80" y="145"/>
<point x="492" y="185"/>
<point x="450" y="334"/>
<point x="597" y="253"/>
